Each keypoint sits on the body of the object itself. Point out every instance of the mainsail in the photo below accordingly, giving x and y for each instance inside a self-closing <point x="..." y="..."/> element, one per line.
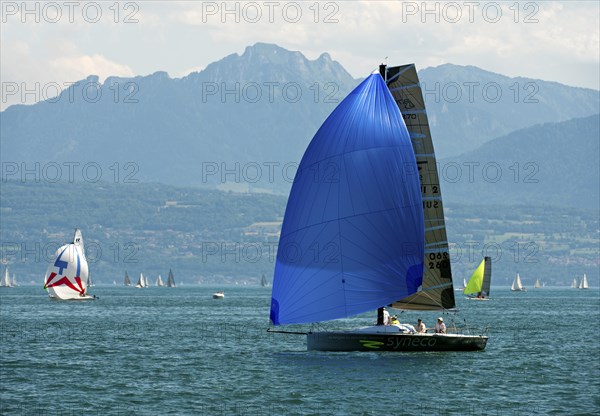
<point x="5" y="281"/>
<point x="436" y="291"/>
<point x="67" y="274"/>
<point x="537" y="284"/>
<point x="141" y="281"/>
<point x="127" y="280"/>
<point x="263" y="281"/>
<point x="517" y="285"/>
<point x="171" y="279"/>
<point x="159" y="281"/>
<point x="583" y="284"/>
<point x="352" y="238"/>
<point x="481" y="279"/>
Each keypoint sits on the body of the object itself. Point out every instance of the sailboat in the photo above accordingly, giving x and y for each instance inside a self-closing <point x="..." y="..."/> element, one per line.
<point x="171" y="279"/>
<point x="377" y="223"/>
<point x="583" y="284"/>
<point x="90" y="284"/>
<point x="141" y="282"/>
<point x="537" y="284"/>
<point x="263" y="281"/>
<point x="460" y="289"/>
<point x="5" y="281"/>
<point x="159" y="281"/>
<point x="517" y="286"/>
<point x="127" y="280"/>
<point x="13" y="282"/>
<point x="480" y="281"/>
<point x="574" y="284"/>
<point x="67" y="274"/>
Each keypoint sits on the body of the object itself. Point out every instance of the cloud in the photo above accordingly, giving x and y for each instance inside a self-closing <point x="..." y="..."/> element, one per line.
<point x="22" y="69"/>
<point x="78" y="67"/>
<point x="556" y="41"/>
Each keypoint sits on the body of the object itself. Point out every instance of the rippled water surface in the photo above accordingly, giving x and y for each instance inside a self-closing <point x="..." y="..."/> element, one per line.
<point x="162" y="351"/>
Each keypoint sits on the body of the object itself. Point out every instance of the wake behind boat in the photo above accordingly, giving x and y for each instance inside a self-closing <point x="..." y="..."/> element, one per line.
<point x="379" y="225"/>
<point x="67" y="274"/>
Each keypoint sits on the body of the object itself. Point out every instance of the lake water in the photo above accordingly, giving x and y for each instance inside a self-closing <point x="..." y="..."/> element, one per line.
<point x="161" y="351"/>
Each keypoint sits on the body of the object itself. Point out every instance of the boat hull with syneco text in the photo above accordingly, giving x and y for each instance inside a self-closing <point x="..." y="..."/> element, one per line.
<point x="358" y="341"/>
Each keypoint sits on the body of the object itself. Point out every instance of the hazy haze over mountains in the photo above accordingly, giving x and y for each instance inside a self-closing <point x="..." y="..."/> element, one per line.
<point x="247" y="119"/>
<point x="548" y="164"/>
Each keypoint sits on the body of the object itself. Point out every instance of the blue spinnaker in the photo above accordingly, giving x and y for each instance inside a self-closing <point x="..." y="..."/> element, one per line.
<point x="352" y="239"/>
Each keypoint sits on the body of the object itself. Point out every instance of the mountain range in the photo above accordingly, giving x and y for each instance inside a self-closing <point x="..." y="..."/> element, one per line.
<point x="553" y="164"/>
<point x="244" y="121"/>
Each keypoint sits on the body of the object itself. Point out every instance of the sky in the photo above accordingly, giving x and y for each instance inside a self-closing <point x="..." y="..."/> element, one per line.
<point x="44" y="46"/>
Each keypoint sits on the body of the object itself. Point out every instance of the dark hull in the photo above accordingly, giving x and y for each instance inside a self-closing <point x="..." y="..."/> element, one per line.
<point x="356" y="341"/>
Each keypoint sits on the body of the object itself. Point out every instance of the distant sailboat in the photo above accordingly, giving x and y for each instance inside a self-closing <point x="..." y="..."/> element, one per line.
<point x="480" y="282"/>
<point x="537" y="284"/>
<point x="583" y="284"/>
<point x="127" y="280"/>
<point x="574" y="284"/>
<point x="90" y="284"/>
<point x="14" y="281"/>
<point x="464" y="285"/>
<point x="171" y="279"/>
<point x="5" y="281"/>
<point x="517" y="286"/>
<point x="141" y="282"/>
<point x="219" y="295"/>
<point x="67" y="274"/>
<point x="263" y="281"/>
<point x="159" y="281"/>
<point x="381" y="223"/>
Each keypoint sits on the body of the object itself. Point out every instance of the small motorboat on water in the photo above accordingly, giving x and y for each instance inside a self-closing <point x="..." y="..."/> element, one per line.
<point x="219" y="295"/>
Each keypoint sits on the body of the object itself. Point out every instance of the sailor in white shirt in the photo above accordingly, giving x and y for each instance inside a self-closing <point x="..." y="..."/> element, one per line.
<point x="386" y="317"/>
<point x="440" y="326"/>
<point x="420" y="328"/>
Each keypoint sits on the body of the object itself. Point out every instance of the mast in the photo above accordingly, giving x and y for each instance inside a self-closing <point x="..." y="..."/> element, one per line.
<point x="437" y="290"/>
